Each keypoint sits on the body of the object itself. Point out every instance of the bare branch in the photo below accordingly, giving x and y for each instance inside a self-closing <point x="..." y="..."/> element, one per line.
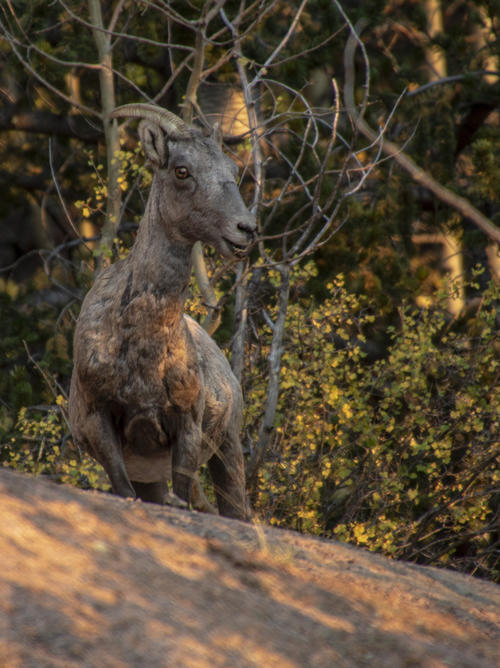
<point x="61" y="198"/>
<point x="123" y="35"/>
<point x="274" y="361"/>
<point x="45" y="122"/>
<point x="240" y="317"/>
<point x="108" y="102"/>
<point x="450" y="79"/>
<point x="460" y="204"/>
<point x="263" y="70"/>
<point x="40" y="78"/>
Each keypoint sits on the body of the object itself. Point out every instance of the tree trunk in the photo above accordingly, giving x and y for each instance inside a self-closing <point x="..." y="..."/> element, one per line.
<point x="108" y="103"/>
<point x="240" y="322"/>
<point x="451" y="251"/>
<point x="434" y="54"/>
<point x="485" y="41"/>
<point x="274" y="361"/>
<point x="212" y="320"/>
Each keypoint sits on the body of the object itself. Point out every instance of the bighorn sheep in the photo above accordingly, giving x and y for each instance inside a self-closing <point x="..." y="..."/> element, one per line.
<point x="152" y="397"/>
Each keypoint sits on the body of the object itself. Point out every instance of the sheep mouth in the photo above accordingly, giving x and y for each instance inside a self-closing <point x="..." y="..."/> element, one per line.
<point x="238" y="250"/>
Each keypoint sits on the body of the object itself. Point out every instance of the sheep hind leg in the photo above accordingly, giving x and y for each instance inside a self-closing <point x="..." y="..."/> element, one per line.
<point x="158" y="492"/>
<point x="228" y="475"/>
<point x="199" y="499"/>
<point x="185" y="460"/>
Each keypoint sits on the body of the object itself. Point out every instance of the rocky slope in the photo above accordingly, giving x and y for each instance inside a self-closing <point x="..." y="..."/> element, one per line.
<point x="87" y="579"/>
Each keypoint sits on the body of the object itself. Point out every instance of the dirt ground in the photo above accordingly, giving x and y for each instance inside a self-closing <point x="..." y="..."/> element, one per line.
<point x="87" y="579"/>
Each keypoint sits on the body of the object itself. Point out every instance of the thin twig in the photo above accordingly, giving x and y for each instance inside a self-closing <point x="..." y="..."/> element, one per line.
<point x="460" y="204"/>
<point x="59" y="194"/>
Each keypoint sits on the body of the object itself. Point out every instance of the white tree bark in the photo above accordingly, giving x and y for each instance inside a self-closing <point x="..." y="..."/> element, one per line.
<point x="108" y="103"/>
<point x="451" y="250"/>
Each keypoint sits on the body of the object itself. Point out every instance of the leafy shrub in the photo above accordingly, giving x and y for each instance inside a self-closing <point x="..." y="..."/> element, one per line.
<point x="41" y="447"/>
<point x="398" y="451"/>
<point x="35" y="368"/>
<point x="400" y="454"/>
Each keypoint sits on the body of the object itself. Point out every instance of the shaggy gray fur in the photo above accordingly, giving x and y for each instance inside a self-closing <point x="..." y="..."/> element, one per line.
<point x="152" y="397"/>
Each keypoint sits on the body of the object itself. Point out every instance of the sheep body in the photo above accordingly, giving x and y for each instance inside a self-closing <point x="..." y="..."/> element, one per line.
<point x="152" y="397"/>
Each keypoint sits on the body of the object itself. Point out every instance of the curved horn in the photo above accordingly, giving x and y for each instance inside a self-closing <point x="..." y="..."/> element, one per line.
<point x="169" y="122"/>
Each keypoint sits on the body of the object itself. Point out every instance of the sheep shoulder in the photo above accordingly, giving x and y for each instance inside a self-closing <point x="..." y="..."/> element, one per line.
<point x="141" y="350"/>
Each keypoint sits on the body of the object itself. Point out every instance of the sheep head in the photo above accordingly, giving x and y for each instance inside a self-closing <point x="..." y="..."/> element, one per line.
<point x="194" y="190"/>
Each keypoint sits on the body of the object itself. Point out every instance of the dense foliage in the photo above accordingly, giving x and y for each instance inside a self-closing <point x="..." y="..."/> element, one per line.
<point x="386" y="430"/>
<point x="399" y="453"/>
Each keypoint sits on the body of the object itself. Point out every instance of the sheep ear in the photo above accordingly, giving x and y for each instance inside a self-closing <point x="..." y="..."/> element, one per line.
<point x="154" y="145"/>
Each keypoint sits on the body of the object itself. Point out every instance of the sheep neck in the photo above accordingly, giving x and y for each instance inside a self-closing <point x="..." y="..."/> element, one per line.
<point x="161" y="265"/>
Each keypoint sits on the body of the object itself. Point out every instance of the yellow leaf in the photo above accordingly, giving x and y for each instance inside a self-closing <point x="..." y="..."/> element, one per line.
<point x="347" y="411"/>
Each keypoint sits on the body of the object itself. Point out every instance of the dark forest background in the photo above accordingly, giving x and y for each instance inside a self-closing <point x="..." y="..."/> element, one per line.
<point x="364" y="327"/>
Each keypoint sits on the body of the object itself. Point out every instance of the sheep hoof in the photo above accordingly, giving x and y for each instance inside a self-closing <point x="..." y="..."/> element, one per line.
<point x="171" y="499"/>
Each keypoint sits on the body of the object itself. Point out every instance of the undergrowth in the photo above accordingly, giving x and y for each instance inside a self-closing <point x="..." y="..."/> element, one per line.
<point x="398" y="451"/>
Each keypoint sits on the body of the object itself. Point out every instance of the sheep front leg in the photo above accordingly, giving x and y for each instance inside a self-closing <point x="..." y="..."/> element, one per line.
<point x="152" y="492"/>
<point x="104" y="444"/>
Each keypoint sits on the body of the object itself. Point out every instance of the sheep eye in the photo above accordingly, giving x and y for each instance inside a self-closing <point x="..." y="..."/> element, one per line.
<point x="181" y="172"/>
